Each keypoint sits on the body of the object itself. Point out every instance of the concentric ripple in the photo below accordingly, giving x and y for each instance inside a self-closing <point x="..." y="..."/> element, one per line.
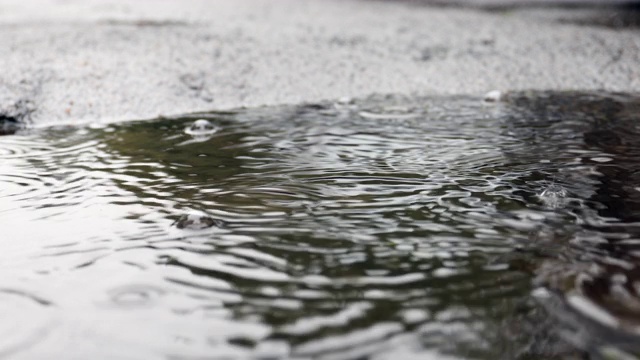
<point x="388" y="227"/>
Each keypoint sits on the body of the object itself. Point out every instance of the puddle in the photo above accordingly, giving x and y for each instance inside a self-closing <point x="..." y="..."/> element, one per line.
<point x="431" y="228"/>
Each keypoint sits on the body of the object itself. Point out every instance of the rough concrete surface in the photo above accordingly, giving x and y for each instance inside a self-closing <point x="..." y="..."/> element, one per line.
<point x="73" y="61"/>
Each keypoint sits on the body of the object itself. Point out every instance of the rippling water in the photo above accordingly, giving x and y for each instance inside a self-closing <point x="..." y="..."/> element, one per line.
<point x="389" y="227"/>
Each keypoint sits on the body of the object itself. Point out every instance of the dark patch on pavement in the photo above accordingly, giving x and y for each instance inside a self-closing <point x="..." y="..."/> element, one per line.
<point x="623" y="18"/>
<point x="8" y="125"/>
<point x="505" y="5"/>
<point x="14" y="117"/>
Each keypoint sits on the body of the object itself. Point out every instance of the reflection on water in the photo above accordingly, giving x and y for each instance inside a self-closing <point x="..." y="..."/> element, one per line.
<point x="383" y="228"/>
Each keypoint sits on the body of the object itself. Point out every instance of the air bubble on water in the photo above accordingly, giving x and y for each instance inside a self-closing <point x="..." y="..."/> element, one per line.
<point x="196" y="220"/>
<point x="201" y="127"/>
<point x="200" y="130"/>
<point x="554" y="196"/>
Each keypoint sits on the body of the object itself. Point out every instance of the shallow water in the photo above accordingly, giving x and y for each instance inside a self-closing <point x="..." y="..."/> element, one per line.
<point x="389" y="227"/>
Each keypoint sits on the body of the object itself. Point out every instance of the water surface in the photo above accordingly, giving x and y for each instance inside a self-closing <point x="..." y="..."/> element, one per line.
<point x="388" y="227"/>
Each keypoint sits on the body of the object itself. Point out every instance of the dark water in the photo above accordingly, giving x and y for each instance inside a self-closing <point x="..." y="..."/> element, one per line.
<point x="385" y="228"/>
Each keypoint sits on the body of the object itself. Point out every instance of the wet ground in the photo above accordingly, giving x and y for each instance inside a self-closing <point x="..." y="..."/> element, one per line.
<point x="385" y="227"/>
<point x="72" y="62"/>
